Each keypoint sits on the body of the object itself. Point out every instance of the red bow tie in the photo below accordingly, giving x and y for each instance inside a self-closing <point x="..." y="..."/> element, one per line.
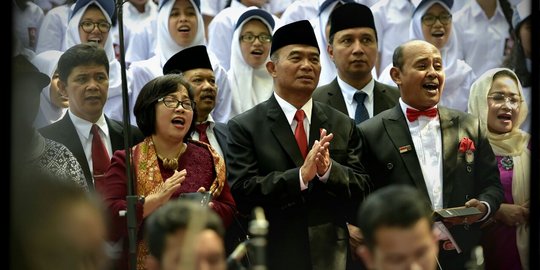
<point x="412" y="115"/>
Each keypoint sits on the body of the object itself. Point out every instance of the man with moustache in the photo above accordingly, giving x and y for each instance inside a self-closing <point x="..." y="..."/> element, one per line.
<point x="309" y="194"/>
<point x="442" y="152"/>
<point x="353" y="48"/>
<point x="194" y="64"/>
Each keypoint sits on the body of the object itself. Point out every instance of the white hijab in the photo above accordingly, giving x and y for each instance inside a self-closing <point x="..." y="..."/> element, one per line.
<point x="456" y="70"/>
<point x="328" y="69"/>
<point x="47" y="62"/>
<point x="250" y="86"/>
<point x="166" y="45"/>
<point x="73" y="38"/>
<point x="513" y="143"/>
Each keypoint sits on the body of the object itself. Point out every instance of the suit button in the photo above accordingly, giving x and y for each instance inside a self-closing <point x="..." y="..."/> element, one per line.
<point x="389" y="166"/>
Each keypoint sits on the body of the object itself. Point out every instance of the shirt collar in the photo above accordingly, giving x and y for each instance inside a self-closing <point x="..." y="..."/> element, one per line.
<point x="476" y="10"/>
<point x="289" y="110"/>
<point x="210" y="120"/>
<point x="349" y="91"/>
<point x="84" y="127"/>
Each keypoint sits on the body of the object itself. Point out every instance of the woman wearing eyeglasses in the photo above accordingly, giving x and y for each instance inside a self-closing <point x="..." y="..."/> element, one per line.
<point x="167" y="163"/>
<point x="496" y="98"/>
<point x="91" y="22"/>
<point x="432" y="22"/>
<point x="249" y="81"/>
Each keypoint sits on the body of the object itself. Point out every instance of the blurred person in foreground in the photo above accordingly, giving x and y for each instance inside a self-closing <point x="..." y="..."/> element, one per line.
<point x="397" y="230"/>
<point x="185" y="235"/>
<point x="55" y="224"/>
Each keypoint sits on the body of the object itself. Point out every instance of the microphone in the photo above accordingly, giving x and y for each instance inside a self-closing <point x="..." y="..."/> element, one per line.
<point x="477" y="259"/>
<point x="234" y="260"/>
<point x="258" y="229"/>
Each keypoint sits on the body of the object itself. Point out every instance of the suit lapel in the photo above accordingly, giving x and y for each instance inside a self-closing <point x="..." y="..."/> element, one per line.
<point x="282" y="131"/>
<point x="335" y="97"/>
<point x="318" y="121"/>
<point x="74" y="144"/>
<point x="116" y="134"/>
<point x="221" y="136"/>
<point x="398" y="131"/>
<point x="379" y="103"/>
<point x="450" y="140"/>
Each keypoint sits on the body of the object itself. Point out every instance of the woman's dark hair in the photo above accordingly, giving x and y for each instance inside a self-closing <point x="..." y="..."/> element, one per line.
<point x="145" y="109"/>
<point x="516" y="59"/>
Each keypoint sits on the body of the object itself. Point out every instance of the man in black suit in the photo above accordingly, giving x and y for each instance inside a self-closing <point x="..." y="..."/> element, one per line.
<point x="308" y="193"/>
<point x="353" y="48"/>
<point x="84" y="78"/>
<point x="194" y="64"/>
<point x="442" y="152"/>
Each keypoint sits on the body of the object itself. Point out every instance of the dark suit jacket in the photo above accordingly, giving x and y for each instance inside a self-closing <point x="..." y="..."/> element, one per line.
<point x="307" y="228"/>
<point x="384" y="96"/>
<point x="383" y="135"/>
<point x="64" y="132"/>
<point x="222" y="132"/>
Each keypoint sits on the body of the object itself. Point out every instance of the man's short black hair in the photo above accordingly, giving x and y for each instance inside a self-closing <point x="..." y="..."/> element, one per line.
<point x="83" y="54"/>
<point x="392" y="206"/>
<point x="178" y="215"/>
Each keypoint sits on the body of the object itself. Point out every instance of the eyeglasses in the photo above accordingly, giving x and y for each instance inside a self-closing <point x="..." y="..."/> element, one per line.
<point x="430" y="20"/>
<point x="88" y="26"/>
<point x="250" y="38"/>
<point x="500" y="99"/>
<point x="173" y="103"/>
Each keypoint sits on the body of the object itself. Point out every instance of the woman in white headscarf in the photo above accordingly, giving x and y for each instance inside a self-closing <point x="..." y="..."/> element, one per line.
<point x="250" y="82"/>
<point x="496" y="98"/>
<point x="98" y="12"/>
<point x="432" y="22"/>
<point x="52" y="105"/>
<point x="179" y="25"/>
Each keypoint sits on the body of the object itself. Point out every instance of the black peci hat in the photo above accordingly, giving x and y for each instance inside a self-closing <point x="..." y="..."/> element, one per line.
<point x="23" y="69"/>
<point x="299" y="32"/>
<point x="351" y="15"/>
<point x="188" y="59"/>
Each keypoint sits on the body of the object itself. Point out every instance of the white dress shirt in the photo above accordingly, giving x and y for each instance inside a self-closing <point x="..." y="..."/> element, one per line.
<point x="348" y="95"/>
<point x="210" y="134"/>
<point x="84" y="130"/>
<point x="427" y="140"/>
<point x="289" y="110"/>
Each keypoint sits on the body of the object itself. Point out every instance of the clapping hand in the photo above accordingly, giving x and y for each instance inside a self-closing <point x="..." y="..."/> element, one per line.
<point x="318" y="158"/>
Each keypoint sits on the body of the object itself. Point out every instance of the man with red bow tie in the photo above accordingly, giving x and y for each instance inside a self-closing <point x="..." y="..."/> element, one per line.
<point x="442" y="152"/>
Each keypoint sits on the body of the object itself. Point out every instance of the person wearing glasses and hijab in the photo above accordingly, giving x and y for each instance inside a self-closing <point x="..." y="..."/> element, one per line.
<point x="497" y="100"/>
<point x="167" y="163"/>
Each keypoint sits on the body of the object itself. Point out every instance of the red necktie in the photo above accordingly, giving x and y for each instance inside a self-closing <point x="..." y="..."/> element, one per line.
<point x="100" y="157"/>
<point x="412" y="114"/>
<point x="300" y="132"/>
<point x="201" y="129"/>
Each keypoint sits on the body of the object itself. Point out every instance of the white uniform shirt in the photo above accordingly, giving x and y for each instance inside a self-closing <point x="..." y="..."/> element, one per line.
<point x="53" y="29"/>
<point x="211" y="135"/>
<point x="392" y="19"/>
<point x="482" y="40"/>
<point x="26" y="24"/>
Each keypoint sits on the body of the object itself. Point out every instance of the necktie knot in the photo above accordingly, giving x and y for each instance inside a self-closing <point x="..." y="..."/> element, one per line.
<point x="412" y="115"/>
<point x="359" y="97"/>
<point x="201" y="129"/>
<point x="299" y="116"/>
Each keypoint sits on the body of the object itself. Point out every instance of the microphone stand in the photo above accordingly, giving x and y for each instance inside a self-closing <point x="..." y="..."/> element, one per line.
<point x="131" y="198"/>
<point x="258" y="228"/>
